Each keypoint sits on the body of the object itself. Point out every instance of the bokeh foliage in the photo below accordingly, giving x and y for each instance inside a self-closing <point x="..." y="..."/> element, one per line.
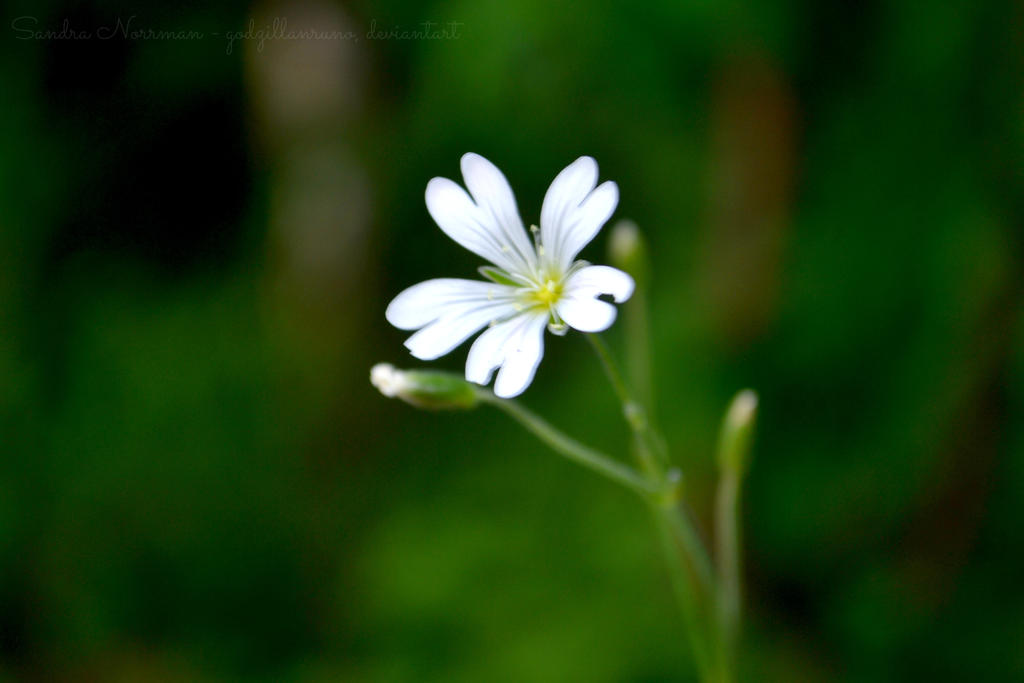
<point x="197" y="482"/>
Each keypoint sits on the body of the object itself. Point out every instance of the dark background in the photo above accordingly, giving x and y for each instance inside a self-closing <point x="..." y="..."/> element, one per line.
<point x="199" y="234"/>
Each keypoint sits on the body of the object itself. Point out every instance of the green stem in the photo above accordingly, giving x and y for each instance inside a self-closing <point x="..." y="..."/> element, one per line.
<point x="638" y="344"/>
<point x="683" y="529"/>
<point x="649" y="445"/>
<point x="728" y="554"/>
<point x="690" y="566"/>
<point x="610" y="369"/>
<point x="572" y="449"/>
<point x="689" y="601"/>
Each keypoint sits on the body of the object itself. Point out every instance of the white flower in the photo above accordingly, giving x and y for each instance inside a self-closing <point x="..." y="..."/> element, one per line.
<point x="535" y="283"/>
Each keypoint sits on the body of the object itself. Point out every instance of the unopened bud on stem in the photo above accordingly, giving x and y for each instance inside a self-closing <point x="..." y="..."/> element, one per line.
<point x="424" y="388"/>
<point x="627" y="250"/>
<point x="737" y="432"/>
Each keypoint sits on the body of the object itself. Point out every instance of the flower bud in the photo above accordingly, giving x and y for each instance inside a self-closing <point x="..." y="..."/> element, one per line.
<point x="627" y="249"/>
<point x="424" y="388"/>
<point x="737" y="432"/>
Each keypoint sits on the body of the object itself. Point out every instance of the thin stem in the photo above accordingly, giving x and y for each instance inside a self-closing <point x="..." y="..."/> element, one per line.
<point x="572" y="449"/>
<point x="610" y="369"/>
<point x="687" y="598"/>
<point x="728" y="554"/>
<point x="650" y="449"/>
<point x="683" y="529"/>
<point x="638" y="356"/>
<point x="638" y="366"/>
<point x="690" y="566"/>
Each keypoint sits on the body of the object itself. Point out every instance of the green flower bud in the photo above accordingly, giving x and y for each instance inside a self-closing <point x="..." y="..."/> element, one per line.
<point x="736" y="437"/>
<point x="627" y="249"/>
<point x="424" y="388"/>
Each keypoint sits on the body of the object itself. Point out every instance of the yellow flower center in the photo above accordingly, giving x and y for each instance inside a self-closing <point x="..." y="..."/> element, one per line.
<point x="548" y="293"/>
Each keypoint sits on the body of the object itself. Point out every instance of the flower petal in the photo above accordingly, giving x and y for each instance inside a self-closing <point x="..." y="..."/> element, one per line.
<point x="494" y="197"/>
<point x="594" y="280"/>
<point x="455" y="327"/>
<point x="455" y="213"/>
<point x="580" y="307"/>
<point x="564" y="196"/>
<point x="488" y="351"/>
<point x="522" y="359"/>
<point x="424" y="303"/>
<point x="585" y="314"/>
<point x="574" y="211"/>
<point x="516" y="345"/>
<point x="583" y="224"/>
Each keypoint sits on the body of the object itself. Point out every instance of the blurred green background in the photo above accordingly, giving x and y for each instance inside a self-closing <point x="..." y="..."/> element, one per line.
<point x="199" y="232"/>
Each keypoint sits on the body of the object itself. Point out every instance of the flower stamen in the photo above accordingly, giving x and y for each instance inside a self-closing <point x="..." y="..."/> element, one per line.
<point x="548" y="293"/>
